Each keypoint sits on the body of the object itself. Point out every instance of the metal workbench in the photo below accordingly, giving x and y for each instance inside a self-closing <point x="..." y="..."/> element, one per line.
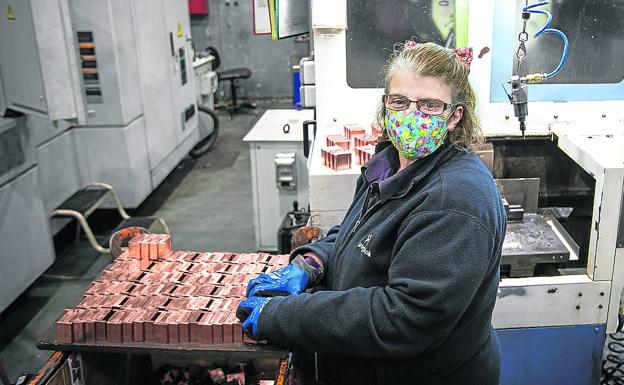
<point x="108" y="363"/>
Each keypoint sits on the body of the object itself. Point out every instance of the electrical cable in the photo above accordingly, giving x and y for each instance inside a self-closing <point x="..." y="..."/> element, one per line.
<point x="546" y="30"/>
<point x="612" y="371"/>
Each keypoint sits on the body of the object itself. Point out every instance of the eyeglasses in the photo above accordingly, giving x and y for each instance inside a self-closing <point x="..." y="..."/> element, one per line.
<point x="426" y="106"/>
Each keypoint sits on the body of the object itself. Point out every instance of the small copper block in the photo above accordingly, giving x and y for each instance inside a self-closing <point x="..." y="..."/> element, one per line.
<point x="135" y="302"/>
<point x="338" y="140"/>
<point x="236" y="291"/>
<point x="179" y="303"/>
<point x="342" y="160"/>
<point x="203" y="290"/>
<point x="64" y="329"/>
<point x="153" y="247"/>
<point x="148" y="325"/>
<point x="228" y="328"/>
<point x="216" y="304"/>
<point x="351" y="130"/>
<point x="96" y="288"/>
<point x="161" y="331"/>
<point x="217" y="326"/>
<point x="113" y="327"/>
<point x="164" y="245"/>
<point x="78" y="326"/>
<point x="134" y="248"/>
<point x="144" y="262"/>
<point x="235" y="303"/>
<point x="200" y="331"/>
<point x="227" y="280"/>
<point x="89" y="325"/>
<point x="184" y="335"/>
<point x="127" y="326"/>
<point x="364" y="140"/>
<point x="326" y="154"/>
<point x="138" y="333"/>
<point x="100" y="324"/>
<point x="172" y="325"/>
<point x="115" y="301"/>
<point x="283" y="260"/>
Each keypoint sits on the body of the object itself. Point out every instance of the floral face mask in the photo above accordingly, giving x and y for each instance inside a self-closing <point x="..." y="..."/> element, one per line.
<point x="415" y="134"/>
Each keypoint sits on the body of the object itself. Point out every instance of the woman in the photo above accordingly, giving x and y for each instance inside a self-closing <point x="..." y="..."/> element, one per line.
<point x="412" y="272"/>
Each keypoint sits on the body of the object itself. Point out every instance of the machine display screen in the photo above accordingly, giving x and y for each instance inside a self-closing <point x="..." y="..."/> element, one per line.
<point x="375" y="26"/>
<point x="595" y="30"/>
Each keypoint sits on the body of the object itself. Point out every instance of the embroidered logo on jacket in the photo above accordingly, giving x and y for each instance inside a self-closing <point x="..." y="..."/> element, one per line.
<point x="364" y="246"/>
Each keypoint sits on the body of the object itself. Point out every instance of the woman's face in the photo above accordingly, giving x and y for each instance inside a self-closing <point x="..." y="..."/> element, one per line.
<point x="417" y="88"/>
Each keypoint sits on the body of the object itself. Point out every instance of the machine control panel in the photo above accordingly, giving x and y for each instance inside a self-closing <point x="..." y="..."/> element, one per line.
<point x="286" y="170"/>
<point x="89" y="68"/>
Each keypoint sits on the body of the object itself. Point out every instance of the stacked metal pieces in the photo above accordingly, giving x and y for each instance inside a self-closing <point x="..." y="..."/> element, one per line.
<point x="153" y="294"/>
<point x="339" y="149"/>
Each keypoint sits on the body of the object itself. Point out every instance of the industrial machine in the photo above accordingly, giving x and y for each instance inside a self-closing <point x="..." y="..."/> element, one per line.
<point x="561" y="175"/>
<point x="278" y="171"/>
<point x="23" y="216"/>
<point x="108" y="93"/>
<point x="119" y="72"/>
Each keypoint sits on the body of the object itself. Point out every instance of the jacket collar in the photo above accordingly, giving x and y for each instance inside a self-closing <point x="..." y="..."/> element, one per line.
<point x="383" y="166"/>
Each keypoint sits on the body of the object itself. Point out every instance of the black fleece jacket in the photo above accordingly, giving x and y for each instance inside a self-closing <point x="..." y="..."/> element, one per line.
<point x="411" y="281"/>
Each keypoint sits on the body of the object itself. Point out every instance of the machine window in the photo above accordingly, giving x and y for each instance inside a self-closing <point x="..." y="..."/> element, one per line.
<point x="595" y="29"/>
<point x="387" y="22"/>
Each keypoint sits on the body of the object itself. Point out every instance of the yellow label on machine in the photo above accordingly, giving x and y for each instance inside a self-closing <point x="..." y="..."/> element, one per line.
<point x="180" y="33"/>
<point x="10" y="14"/>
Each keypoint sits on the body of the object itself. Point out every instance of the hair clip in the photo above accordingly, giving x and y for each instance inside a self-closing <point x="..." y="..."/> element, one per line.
<point x="465" y="55"/>
<point x="409" y="44"/>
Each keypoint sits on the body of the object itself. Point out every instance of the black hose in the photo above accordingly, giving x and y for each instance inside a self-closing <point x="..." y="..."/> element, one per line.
<point x="208" y="142"/>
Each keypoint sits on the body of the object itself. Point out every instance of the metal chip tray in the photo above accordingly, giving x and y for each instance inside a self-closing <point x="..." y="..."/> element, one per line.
<point x="537" y="239"/>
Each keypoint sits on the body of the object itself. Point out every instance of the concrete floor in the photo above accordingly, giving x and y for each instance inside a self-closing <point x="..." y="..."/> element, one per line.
<point x="207" y="203"/>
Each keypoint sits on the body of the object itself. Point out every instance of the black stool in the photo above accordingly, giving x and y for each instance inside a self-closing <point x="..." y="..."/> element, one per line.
<point x="233" y="76"/>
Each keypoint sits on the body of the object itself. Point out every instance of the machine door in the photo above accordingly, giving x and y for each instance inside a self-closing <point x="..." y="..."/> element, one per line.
<point x="166" y="72"/>
<point x="183" y="79"/>
<point x="39" y="63"/>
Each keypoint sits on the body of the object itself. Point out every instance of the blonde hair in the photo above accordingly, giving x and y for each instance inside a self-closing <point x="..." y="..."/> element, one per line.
<point x="432" y="60"/>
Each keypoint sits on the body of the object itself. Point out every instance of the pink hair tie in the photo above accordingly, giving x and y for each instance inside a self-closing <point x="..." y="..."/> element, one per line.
<point x="409" y="44"/>
<point x="465" y="55"/>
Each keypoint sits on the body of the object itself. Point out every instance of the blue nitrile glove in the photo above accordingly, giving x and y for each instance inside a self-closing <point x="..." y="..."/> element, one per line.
<point x="292" y="279"/>
<point x="249" y="312"/>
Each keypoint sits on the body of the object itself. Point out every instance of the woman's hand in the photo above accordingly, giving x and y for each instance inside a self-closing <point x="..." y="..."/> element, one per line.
<point x="292" y="279"/>
<point x="249" y="312"/>
<point x="289" y="280"/>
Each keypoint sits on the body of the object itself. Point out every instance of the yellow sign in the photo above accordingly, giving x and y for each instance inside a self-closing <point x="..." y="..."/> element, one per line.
<point x="180" y="33"/>
<point x="10" y="14"/>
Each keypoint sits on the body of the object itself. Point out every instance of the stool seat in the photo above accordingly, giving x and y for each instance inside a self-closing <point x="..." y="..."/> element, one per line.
<point x="234" y="73"/>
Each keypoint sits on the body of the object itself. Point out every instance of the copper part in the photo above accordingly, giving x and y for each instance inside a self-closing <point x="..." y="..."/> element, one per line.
<point x="350" y="130"/>
<point x="364" y="140"/>
<point x="364" y="153"/>
<point x="183" y="297"/>
<point x="338" y="140"/>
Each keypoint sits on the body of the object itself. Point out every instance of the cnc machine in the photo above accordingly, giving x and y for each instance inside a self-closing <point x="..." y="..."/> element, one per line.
<point x="562" y="177"/>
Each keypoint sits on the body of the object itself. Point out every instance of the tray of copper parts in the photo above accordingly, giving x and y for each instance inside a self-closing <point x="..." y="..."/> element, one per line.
<point x="154" y="295"/>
